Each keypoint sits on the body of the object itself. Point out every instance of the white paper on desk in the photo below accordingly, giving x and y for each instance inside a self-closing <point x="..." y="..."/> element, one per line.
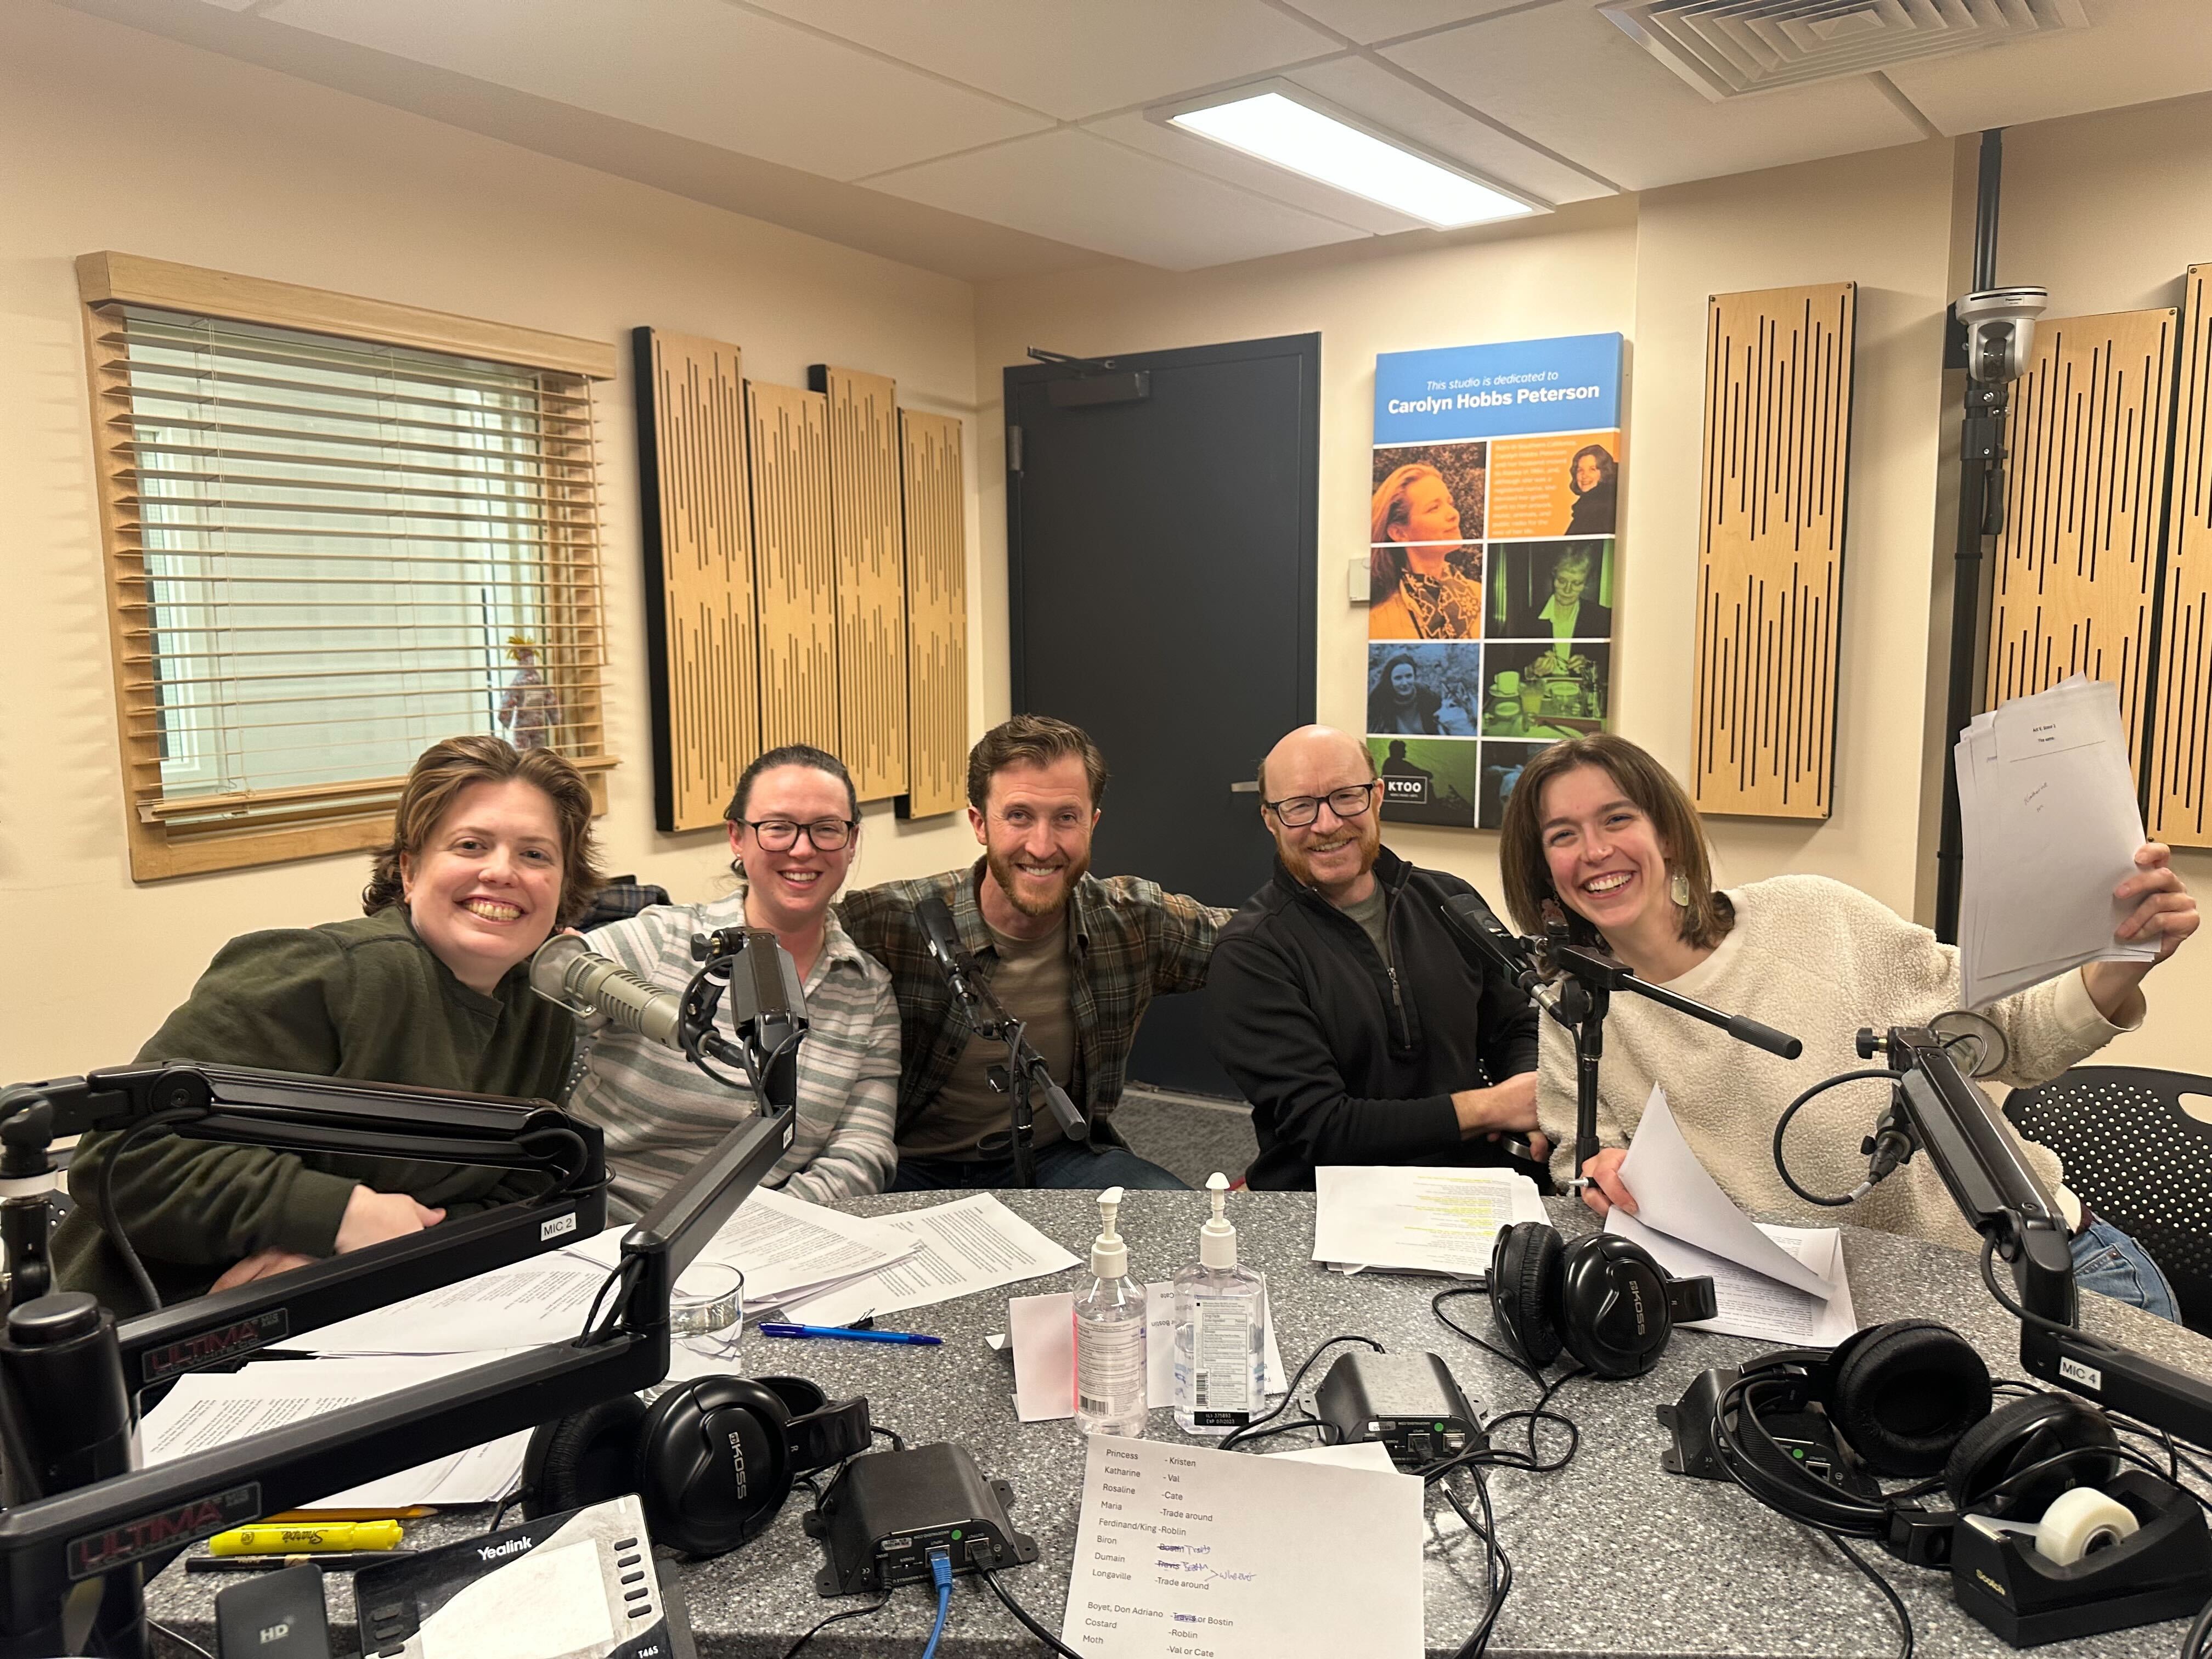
<point x="1751" y="1304"/>
<point x="1436" y="1220"/>
<point x="785" y="1246"/>
<point x="1176" y="1541"/>
<point x="1675" y="1195"/>
<point x="1042" y="1330"/>
<point x="526" y="1305"/>
<point x="206" y="1410"/>
<point x="973" y="1244"/>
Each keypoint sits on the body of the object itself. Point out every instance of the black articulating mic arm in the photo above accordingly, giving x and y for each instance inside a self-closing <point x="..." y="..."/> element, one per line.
<point x="82" y="1530"/>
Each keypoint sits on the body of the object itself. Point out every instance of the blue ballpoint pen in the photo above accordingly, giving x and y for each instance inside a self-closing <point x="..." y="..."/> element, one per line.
<point x="850" y="1334"/>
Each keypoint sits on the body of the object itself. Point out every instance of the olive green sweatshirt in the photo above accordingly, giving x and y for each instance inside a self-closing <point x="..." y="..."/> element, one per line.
<point x="363" y="999"/>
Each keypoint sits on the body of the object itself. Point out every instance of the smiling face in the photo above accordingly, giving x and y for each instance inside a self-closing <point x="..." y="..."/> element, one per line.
<point x="1587" y="474"/>
<point x="1036" y="831"/>
<point x="1401" y="680"/>
<point x="790" y="890"/>
<point x="1431" y="513"/>
<point x="1332" y="854"/>
<point x="484" y="891"/>
<point x="1604" y="853"/>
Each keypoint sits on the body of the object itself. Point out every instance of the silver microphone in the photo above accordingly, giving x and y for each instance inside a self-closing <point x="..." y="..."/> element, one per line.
<point x="569" y="973"/>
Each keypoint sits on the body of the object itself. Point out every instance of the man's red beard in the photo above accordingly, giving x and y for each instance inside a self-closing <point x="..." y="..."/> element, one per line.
<point x="1001" y="867"/>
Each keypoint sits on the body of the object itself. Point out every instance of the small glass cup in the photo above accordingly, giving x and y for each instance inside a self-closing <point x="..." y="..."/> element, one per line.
<point x="709" y="1301"/>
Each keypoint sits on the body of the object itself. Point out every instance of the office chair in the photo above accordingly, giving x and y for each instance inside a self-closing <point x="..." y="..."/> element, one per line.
<point x="2136" y="1158"/>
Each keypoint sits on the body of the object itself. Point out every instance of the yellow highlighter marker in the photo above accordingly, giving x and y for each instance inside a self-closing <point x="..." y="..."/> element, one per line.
<point x="287" y="1540"/>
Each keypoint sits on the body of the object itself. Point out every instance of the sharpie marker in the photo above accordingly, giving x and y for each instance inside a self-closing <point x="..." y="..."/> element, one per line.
<point x="847" y="1332"/>
<point x="290" y="1540"/>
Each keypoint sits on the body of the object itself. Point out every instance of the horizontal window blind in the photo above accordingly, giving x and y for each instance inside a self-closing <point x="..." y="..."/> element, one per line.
<point x="327" y="554"/>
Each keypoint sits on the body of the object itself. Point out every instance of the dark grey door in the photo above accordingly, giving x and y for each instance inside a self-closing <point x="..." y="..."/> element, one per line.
<point x="1160" y="528"/>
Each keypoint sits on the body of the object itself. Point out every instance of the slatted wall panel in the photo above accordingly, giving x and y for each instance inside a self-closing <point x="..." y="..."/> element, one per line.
<point x="2181" y="732"/>
<point x="794" y="565"/>
<point x="864" y="528"/>
<point x="937" y="613"/>
<point x="1771" y="552"/>
<point x="705" y="659"/>
<point x="2076" y="566"/>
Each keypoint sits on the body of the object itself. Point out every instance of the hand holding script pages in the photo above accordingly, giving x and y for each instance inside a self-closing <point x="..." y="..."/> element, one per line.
<point x="2050" y="825"/>
<point x="1776" y="1284"/>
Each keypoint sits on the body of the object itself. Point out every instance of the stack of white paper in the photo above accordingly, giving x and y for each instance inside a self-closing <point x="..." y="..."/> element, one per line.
<point x="1416" y="1221"/>
<point x="1777" y="1284"/>
<point x="974" y="1243"/>
<point x="2050" y="826"/>
<point x="206" y="1410"/>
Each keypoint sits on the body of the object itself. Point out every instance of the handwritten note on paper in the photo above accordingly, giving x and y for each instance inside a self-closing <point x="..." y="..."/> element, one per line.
<point x="1215" y="1555"/>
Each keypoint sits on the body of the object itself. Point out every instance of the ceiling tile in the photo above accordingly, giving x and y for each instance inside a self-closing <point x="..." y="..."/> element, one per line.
<point x="1073" y="57"/>
<point x="1569" y="80"/>
<point x="699" y="69"/>
<point x="1369" y="20"/>
<point x="1234" y="167"/>
<point x="1078" y="187"/>
<point x="2133" y="53"/>
<point x="1367" y="88"/>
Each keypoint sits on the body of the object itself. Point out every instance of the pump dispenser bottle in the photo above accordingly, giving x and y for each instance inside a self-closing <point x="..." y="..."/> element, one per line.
<point x="1110" y="1396"/>
<point x="1220" y="1330"/>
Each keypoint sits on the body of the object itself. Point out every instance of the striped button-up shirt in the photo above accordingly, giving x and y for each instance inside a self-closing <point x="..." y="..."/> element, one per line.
<point x="660" y="1114"/>
<point x="1129" y="940"/>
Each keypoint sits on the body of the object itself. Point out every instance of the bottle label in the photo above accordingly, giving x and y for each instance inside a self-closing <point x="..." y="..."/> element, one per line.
<point x="1221" y="1381"/>
<point x="1110" y="1369"/>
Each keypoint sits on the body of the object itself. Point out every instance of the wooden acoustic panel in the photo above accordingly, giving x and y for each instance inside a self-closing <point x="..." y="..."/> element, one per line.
<point x="704" y="659"/>
<point x="864" y="529"/>
<point x="1770" y="548"/>
<point x="937" y="613"/>
<point x="2181" y="729"/>
<point x="794" y="565"/>
<point x="2076" y="565"/>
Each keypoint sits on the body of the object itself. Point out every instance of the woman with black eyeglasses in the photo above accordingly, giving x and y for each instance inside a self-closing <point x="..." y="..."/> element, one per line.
<point x="794" y="828"/>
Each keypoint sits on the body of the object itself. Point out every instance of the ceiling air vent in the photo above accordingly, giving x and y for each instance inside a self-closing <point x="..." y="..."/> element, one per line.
<point x="1726" y="48"/>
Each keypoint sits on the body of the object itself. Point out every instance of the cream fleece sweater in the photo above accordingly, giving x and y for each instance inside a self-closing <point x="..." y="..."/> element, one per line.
<point x="1818" y="960"/>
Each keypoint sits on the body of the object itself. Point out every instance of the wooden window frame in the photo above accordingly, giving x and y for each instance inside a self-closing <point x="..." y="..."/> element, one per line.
<point x="318" y="820"/>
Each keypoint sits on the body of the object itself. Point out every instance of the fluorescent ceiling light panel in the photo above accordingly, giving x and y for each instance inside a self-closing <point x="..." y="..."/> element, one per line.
<point x="1304" y="140"/>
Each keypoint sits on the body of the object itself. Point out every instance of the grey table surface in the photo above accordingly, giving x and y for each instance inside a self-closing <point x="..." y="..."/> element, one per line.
<point x="1610" y="1556"/>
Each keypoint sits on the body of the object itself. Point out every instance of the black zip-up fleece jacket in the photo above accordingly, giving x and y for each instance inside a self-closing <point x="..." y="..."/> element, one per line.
<point x="1344" y="1060"/>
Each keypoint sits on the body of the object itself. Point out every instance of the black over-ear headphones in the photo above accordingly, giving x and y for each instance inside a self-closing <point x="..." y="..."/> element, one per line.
<point x="1602" y="1298"/>
<point x="712" y="1459"/>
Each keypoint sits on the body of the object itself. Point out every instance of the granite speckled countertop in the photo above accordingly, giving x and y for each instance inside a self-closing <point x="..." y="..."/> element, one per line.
<point x="1610" y="1556"/>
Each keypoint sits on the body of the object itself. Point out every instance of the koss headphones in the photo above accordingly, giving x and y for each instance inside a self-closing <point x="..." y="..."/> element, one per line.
<point x="712" y="1459"/>
<point x="1602" y="1298"/>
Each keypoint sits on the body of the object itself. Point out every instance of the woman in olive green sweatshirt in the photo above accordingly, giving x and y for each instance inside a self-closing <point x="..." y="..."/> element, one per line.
<point x="491" y="850"/>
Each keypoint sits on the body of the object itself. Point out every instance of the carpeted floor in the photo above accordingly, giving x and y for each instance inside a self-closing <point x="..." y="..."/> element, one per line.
<point x="1190" y="1136"/>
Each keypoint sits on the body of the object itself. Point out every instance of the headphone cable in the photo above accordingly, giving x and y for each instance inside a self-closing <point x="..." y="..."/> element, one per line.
<point x="1782" y="1126"/>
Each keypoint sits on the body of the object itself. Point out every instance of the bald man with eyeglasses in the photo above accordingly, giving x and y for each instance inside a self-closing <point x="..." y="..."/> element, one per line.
<point x="1341" y="1004"/>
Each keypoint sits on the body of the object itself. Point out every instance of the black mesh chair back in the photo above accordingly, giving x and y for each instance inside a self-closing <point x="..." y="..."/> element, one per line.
<point x="2138" y="1160"/>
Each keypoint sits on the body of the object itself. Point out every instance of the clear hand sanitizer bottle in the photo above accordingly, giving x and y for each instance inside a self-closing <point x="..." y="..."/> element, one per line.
<point x="1220" y="1330"/>
<point x="1110" y="1394"/>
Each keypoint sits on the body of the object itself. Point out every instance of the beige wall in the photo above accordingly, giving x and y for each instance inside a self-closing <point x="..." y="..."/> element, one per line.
<point x="117" y="139"/>
<point x="2106" y="209"/>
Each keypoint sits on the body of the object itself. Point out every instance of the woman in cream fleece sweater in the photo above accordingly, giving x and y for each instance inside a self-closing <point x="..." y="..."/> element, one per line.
<point x="1600" y="826"/>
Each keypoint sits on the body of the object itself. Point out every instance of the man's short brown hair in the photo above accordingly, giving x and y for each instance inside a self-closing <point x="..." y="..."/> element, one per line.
<point x="443" y="770"/>
<point x="1032" y="740"/>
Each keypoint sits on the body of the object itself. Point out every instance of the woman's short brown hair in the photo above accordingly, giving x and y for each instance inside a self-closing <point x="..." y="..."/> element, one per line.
<point x="437" y="780"/>
<point x="1032" y="740"/>
<point x="1652" y="789"/>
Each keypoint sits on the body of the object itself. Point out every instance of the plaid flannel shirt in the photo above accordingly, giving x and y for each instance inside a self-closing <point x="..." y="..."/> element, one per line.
<point x="1129" y="940"/>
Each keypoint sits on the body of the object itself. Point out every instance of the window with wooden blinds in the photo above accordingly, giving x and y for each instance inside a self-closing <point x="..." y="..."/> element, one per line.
<point x="326" y="553"/>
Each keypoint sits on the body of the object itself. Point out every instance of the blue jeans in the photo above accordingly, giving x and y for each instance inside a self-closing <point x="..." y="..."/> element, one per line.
<point x="2107" y="1260"/>
<point x="1066" y="1164"/>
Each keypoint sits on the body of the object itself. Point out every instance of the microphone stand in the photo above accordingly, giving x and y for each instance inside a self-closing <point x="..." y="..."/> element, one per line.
<point x="1024" y="1068"/>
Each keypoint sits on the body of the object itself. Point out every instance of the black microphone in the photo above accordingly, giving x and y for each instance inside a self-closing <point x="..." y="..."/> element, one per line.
<point x="945" y="945"/>
<point x="1763" y="1036"/>
<point x="1478" y="924"/>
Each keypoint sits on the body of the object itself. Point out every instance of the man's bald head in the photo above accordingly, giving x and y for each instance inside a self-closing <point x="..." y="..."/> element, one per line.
<point x="1331" y="774"/>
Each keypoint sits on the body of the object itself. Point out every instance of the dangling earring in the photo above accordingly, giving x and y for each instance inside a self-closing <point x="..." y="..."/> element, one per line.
<point x="1679" y="890"/>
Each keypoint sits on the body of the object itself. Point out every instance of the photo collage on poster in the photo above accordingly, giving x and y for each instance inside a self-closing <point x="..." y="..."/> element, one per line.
<point x="1491" y="567"/>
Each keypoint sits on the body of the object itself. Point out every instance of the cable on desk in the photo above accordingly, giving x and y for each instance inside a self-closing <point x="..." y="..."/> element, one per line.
<point x="1535" y="1462"/>
<point x="1889" y="1594"/>
<point x="1497" y="1567"/>
<point x="180" y="1638"/>
<point x="1782" y="1126"/>
<point x="2194" y="1645"/>
<point x="897" y="1440"/>
<point x="1293" y="1423"/>
<point x="791" y="1652"/>
<point x="1053" y="1643"/>
<point x="1291" y="1393"/>
<point x="940" y="1574"/>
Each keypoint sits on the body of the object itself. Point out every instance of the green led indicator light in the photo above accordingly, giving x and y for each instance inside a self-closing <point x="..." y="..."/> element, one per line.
<point x="956" y="1535"/>
<point x="1440" y="1428"/>
<point x="1797" y="1452"/>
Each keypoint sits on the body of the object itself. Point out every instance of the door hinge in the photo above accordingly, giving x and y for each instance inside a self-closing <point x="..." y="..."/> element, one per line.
<point x="1013" y="449"/>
